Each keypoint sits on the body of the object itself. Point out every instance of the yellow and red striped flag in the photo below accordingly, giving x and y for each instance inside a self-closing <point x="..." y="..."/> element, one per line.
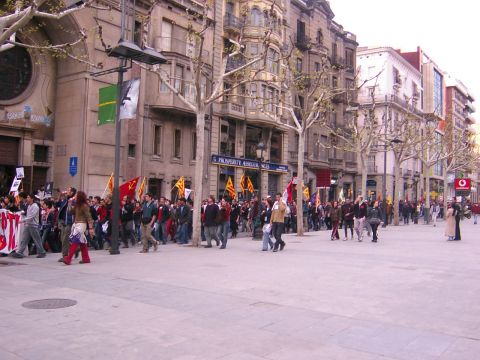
<point x="110" y="184"/>
<point x="141" y="189"/>
<point x="242" y="183"/>
<point x="306" y="192"/>
<point x="230" y="188"/>
<point x="250" y="185"/>
<point x="180" y="185"/>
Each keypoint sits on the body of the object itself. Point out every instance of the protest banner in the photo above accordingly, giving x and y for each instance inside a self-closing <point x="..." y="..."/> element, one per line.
<point x="9" y="231"/>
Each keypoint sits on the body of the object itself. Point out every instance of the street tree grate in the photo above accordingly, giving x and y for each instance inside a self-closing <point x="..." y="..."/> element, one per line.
<point x="49" y="304"/>
<point x="9" y="263"/>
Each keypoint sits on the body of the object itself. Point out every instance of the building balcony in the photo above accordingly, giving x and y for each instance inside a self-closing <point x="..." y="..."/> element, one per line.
<point x="469" y="107"/>
<point x="372" y="169"/>
<point x="233" y="109"/>
<point x="232" y="23"/>
<point x="337" y="61"/>
<point x="383" y="99"/>
<point x="170" y="46"/>
<point x="302" y="42"/>
<point x="293" y="157"/>
<point x="234" y="63"/>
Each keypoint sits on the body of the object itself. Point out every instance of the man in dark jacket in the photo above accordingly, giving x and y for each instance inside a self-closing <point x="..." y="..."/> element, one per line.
<point x="163" y="216"/>
<point x="182" y="215"/>
<point x="126" y="218"/>
<point x="211" y="221"/>
<point x="347" y="216"/>
<point x="65" y="219"/>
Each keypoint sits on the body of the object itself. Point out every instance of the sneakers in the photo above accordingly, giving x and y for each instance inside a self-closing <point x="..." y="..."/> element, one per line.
<point x="155" y="246"/>
<point x="39" y="256"/>
<point x="208" y="246"/>
<point x="282" y="246"/>
<point x="345" y="239"/>
<point x="143" y="251"/>
<point x="16" y="255"/>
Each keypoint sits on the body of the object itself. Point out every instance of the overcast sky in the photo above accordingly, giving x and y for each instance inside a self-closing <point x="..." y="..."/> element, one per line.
<point x="448" y="31"/>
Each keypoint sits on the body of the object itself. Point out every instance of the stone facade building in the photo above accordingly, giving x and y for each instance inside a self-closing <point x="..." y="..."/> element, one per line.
<point x="50" y="104"/>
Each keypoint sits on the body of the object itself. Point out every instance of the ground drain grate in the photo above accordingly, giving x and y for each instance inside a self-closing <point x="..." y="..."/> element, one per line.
<point x="49" y="304"/>
<point x="9" y="263"/>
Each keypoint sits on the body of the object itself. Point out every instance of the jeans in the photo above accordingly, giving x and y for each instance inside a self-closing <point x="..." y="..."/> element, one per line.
<point x="182" y="233"/>
<point x="163" y="228"/>
<point x="99" y="236"/>
<point x="348" y="224"/>
<point x="475" y="217"/>
<point x="266" y="241"/>
<point x="368" y="227"/>
<point x="138" y="233"/>
<point x="359" y="227"/>
<point x="31" y="232"/>
<point x="277" y="231"/>
<point x="211" y="233"/>
<point x="434" y="218"/>
<point x="222" y="232"/>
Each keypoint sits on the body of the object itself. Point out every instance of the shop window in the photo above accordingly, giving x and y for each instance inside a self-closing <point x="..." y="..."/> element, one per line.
<point x="40" y="153"/>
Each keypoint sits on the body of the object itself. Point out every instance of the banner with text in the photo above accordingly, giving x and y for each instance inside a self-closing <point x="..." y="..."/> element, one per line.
<point x="9" y="231"/>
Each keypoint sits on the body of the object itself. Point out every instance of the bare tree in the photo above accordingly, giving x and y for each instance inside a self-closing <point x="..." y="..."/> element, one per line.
<point x="237" y="69"/>
<point x="17" y="20"/>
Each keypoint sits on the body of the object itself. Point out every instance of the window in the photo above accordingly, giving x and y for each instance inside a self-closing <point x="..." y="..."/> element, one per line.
<point x="334" y="82"/>
<point x="319" y="37"/>
<point x="137" y="33"/>
<point x="372" y="168"/>
<point x="317" y="67"/>
<point x="177" y="143"/>
<point x="194" y="146"/>
<point x="396" y="77"/>
<point x="300" y="31"/>
<point x="253" y="50"/>
<point x="253" y="95"/>
<point x="299" y="64"/>
<point x="157" y="135"/>
<point x="167" y="28"/>
<point x="256" y="17"/>
<point x="437" y="93"/>
<point x="40" y="153"/>
<point x="349" y="58"/>
<point x="178" y="78"/>
<point x="323" y="149"/>
<point x="131" y="150"/>
<point x="272" y="61"/>
<point x="15" y="72"/>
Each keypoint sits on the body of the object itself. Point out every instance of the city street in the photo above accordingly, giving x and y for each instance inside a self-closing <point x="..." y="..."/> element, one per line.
<point x="411" y="296"/>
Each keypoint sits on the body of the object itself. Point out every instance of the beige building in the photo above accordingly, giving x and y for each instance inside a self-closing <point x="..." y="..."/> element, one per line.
<point x="50" y="105"/>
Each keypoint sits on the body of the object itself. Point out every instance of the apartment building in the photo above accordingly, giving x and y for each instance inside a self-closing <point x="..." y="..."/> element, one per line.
<point x="317" y="36"/>
<point x="394" y="91"/>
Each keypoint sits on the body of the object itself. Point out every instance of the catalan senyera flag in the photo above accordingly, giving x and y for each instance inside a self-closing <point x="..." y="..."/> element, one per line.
<point x="250" y="187"/>
<point x="128" y="188"/>
<point x="180" y="185"/>
<point x="110" y="184"/>
<point x="230" y="188"/>
<point x="141" y="189"/>
<point x="306" y="192"/>
<point x="317" y="198"/>
<point x="242" y="183"/>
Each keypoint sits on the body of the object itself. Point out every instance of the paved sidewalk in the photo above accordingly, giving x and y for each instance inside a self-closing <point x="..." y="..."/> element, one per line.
<point x="411" y="296"/>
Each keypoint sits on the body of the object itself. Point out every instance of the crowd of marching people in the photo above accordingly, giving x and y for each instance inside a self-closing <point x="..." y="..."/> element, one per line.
<point x="73" y="223"/>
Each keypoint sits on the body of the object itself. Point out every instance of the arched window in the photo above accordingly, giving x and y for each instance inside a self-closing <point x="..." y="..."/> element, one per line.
<point x="256" y="17"/>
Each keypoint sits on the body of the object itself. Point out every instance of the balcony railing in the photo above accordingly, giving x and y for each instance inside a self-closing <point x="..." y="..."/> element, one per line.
<point x="337" y="61"/>
<point x="232" y="22"/>
<point x="235" y="63"/>
<point x="179" y="46"/>
<point x="233" y="108"/>
<point x="372" y="169"/>
<point x="302" y="42"/>
<point x="410" y="106"/>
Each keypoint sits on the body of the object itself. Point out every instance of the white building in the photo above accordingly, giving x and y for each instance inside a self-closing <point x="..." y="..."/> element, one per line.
<point x="396" y="87"/>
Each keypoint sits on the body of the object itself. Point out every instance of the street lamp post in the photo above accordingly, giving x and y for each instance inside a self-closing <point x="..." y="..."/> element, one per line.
<point x="126" y="51"/>
<point x="259" y="152"/>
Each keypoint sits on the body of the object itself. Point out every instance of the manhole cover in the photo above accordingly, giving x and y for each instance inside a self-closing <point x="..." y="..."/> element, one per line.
<point x="9" y="263"/>
<point x="49" y="304"/>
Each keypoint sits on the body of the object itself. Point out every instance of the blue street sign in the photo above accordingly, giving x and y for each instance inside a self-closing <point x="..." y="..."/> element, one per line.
<point x="73" y="165"/>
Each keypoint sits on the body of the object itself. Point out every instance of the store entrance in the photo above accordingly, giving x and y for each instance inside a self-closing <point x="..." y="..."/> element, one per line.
<point x="7" y="174"/>
<point x="9" y="147"/>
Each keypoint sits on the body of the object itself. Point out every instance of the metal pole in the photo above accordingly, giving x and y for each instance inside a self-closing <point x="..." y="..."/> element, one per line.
<point x="384" y="185"/>
<point x="118" y="132"/>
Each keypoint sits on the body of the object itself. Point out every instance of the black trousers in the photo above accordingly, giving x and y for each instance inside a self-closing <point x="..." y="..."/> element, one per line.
<point x="348" y="224"/>
<point x="277" y="231"/>
<point x="457" y="228"/>
<point x="375" y="231"/>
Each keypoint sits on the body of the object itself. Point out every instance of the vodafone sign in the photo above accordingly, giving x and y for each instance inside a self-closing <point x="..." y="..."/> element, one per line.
<point x="463" y="184"/>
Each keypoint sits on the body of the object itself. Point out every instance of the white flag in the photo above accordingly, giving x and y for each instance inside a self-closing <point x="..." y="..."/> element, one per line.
<point x="187" y="193"/>
<point x="129" y="101"/>
<point x="15" y="184"/>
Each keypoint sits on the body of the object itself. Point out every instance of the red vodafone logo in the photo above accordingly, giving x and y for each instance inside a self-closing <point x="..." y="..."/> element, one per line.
<point x="463" y="184"/>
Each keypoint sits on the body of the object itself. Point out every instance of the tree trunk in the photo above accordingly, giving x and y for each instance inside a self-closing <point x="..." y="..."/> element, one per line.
<point x="301" y="154"/>
<point x="198" y="188"/>
<point x="364" y="180"/>
<point x="396" y="203"/>
<point x="445" y="186"/>
<point x="427" y="196"/>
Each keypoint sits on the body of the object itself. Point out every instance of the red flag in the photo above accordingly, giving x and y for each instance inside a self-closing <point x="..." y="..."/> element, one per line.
<point x="288" y="193"/>
<point x="129" y="188"/>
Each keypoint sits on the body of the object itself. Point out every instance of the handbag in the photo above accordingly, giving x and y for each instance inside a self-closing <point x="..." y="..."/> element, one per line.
<point x="374" y="221"/>
<point x="74" y="236"/>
